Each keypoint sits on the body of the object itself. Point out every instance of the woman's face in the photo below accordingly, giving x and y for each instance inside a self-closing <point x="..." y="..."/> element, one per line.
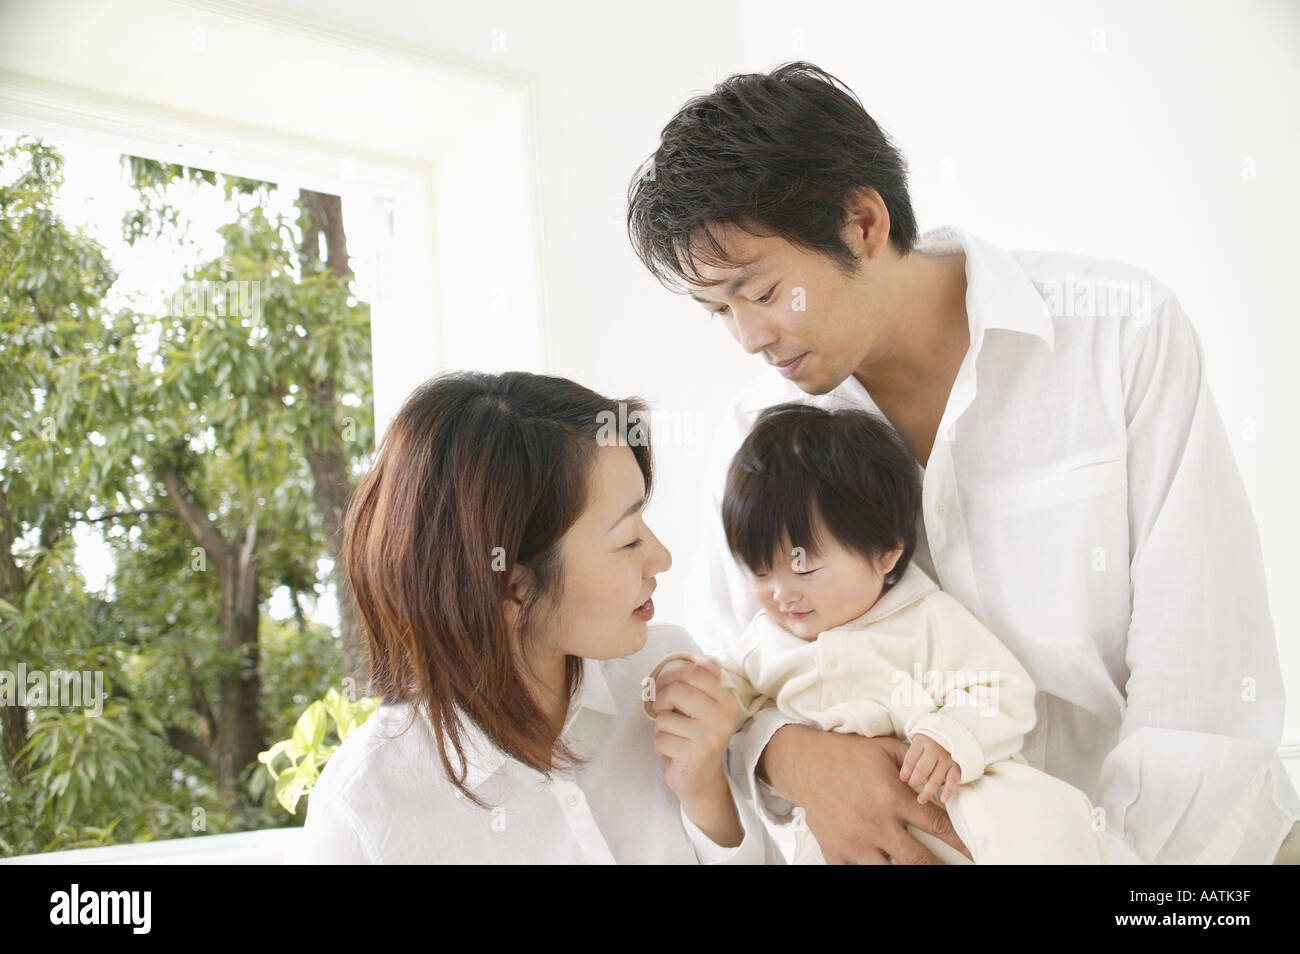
<point x="609" y="560"/>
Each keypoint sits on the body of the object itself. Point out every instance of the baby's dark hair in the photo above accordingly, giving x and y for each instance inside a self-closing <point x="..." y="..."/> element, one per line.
<point x="848" y="466"/>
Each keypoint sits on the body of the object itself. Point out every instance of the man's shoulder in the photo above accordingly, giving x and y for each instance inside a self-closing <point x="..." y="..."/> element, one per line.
<point x="1079" y="286"/>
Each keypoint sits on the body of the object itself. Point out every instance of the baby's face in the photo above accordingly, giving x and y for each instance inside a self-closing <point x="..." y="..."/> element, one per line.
<point x="810" y="594"/>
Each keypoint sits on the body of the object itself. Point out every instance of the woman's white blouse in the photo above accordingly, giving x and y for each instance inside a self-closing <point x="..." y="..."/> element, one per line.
<point x="384" y="798"/>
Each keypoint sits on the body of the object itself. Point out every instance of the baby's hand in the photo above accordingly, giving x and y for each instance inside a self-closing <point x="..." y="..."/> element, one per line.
<point x="928" y="763"/>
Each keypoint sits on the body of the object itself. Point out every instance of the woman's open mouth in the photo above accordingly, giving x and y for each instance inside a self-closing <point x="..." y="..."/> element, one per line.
<point x="645" y="611"/>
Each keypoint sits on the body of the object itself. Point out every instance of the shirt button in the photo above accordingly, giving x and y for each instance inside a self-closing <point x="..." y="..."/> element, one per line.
<point x="832" y="663"/>
<point x="941" y="508"/>
<point x="573" y="801"/>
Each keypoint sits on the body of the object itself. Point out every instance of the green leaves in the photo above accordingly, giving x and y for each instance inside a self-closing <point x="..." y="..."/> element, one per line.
<point x="306" y="750"/>
<point x="248" y="365"/>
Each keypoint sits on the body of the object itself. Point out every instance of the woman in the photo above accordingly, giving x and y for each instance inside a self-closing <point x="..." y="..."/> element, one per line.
<point x="501" y="563"/>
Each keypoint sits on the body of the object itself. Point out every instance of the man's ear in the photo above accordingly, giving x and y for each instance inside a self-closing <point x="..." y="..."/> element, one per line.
<point x="866" y="226"/>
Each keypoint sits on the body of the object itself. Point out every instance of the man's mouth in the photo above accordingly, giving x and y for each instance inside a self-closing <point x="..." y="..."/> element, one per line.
<point x="788" y="368"/>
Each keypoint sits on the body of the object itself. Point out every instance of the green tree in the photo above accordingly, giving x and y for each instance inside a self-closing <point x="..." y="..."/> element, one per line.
<point x="214" y="445"/>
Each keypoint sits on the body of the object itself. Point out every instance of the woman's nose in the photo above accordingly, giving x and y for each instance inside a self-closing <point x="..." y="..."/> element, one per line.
<point x="660" y="559"/>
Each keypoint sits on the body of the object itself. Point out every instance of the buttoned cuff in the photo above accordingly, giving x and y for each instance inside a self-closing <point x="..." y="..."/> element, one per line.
<point x="954" y="736"/>
<point x="748" y="745"/>
<point x="648" y="683"/>
<point x="752" y="849"/>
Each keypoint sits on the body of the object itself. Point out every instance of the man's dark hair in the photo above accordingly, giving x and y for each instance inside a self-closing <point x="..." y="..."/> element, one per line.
<point x="846" y="466"/>
<point x="781" y="151"/>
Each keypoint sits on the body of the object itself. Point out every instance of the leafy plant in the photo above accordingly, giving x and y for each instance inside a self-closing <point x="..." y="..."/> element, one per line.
<point x="307" y="749"/>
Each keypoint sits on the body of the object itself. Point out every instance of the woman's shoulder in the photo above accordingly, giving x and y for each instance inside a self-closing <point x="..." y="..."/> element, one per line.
<point x="391" y="748"/>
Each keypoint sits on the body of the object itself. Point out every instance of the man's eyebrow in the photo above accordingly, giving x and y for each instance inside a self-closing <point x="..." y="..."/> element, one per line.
<point x="627" y="513"/>
<point x="735" y="284"/>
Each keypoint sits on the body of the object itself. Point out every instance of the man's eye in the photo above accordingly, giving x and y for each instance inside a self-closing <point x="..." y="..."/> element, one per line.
<point x="806" y="572"/>
<point x="634" y="544"/>
<point x="768" y="297"/>
<point x="718" y="312"/>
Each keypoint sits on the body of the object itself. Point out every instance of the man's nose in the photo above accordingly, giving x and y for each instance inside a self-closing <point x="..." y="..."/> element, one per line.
<point x="753" y="333"/>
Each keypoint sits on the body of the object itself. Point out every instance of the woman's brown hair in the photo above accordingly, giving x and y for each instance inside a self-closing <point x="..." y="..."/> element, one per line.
<point x="477" y="474"/>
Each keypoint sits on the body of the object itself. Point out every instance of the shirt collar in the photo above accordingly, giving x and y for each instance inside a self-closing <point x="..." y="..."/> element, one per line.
<point x="999" y="294"/>
<point x="484" y="758"/>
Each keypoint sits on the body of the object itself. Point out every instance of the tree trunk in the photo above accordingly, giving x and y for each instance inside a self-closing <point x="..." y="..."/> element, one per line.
<point x="238" y="736"/>
<point x="13" y="584"/>
<point x="323" y="215"/>
<point x="239" y="728"/>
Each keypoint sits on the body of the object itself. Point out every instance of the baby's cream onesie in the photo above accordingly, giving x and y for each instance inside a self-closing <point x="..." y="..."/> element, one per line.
<point x="919" y="663"/>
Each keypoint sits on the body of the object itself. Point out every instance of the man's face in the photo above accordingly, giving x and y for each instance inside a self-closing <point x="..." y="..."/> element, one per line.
<point x="795" y="308"/>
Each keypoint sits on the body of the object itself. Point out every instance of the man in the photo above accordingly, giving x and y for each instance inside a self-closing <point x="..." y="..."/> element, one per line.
<point x="1080" y="494"/>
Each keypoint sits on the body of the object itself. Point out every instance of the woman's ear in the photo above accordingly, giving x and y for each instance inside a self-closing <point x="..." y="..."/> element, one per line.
<point x="516" y="592"/>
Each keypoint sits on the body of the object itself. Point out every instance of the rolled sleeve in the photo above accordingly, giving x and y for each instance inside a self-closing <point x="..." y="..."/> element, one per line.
<point x="747" y="746"/>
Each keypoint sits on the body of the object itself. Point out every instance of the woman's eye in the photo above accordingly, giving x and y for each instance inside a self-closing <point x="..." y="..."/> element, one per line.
<point x="634" y="544"/>
<point x="719" y="312"/>
<point x="768" y="297"/>
<point x="806" y="572"/>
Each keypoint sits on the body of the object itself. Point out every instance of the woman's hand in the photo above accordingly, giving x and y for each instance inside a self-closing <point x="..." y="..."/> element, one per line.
<point x="694" y="719"/>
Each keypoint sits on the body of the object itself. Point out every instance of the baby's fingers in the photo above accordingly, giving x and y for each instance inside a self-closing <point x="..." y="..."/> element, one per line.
<point x="931" y="786"/>
<point x="909" y="761"/>
<point x="950" y="786"/>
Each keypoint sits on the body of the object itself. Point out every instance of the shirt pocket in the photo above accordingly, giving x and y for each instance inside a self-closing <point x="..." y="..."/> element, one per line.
<point x="1060" y="566"/>
<point x="1085" y="477"/>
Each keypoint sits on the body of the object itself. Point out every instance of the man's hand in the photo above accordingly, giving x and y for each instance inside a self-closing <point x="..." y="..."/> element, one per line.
<point x="930" y="765"/>
<point x="854" y="802"/>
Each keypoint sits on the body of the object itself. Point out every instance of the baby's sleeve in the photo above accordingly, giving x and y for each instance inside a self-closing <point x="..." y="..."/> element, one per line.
<point x="731" y="666"/>
<point x="986" y="698"/>
<point x="735" y="679"/>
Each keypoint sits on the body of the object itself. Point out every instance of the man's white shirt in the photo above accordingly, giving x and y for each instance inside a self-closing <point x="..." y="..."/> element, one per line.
<point x="1082" y="501"/>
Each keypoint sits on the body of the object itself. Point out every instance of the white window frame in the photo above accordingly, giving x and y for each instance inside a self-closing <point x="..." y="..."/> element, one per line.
<point x="421" y="280"/>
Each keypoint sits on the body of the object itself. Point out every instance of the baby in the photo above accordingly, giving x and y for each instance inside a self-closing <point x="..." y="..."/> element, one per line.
<point x="821" y="509"/>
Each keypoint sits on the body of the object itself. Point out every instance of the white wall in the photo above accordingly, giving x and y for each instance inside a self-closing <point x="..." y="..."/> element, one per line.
<point x="607" y="78"/>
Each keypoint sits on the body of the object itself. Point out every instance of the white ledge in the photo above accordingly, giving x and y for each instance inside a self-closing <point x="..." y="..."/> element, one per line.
<point x="267" y="847"/>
